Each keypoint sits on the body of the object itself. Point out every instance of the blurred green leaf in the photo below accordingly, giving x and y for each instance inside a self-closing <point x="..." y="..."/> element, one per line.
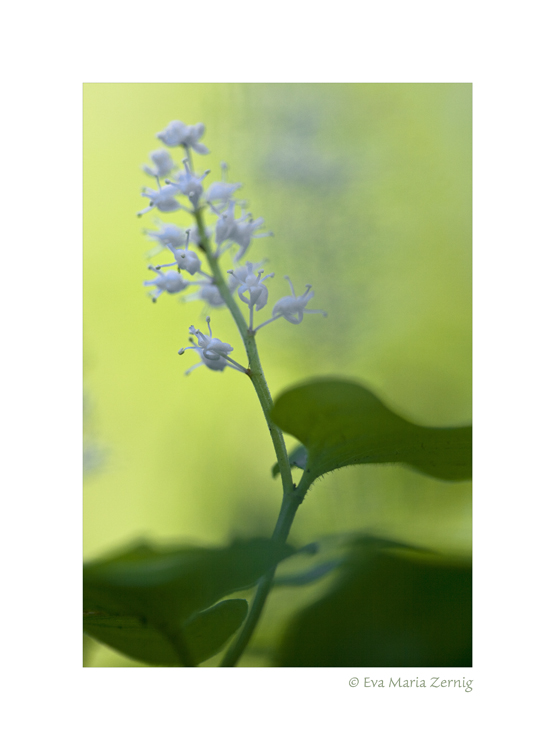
<point x="204" y="634"/>
<point x="160" y="588"/>
<point x="342" y="423"/>
<point x="389" y="608"/>
<point x="308" y="576"/>
<point x="208" y="632"/>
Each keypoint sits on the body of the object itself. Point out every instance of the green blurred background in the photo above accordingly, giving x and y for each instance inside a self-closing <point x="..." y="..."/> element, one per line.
<point x="367" y="188"/>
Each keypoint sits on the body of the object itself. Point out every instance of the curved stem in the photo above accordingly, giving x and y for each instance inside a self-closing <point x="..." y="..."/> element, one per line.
<point x="292" y="496"/>
<point x="180" y="646"/>
<point x="285" y="520"/>
<point x="256" y="372"/>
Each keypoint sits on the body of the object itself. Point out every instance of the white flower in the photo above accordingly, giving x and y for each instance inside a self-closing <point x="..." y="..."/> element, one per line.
<point x="225" y="226"/>
<point x="189" y="184"/>
<point x="244" y="233"/>
<point x="195" y="234"/>
<point x="179" y="134"/>
<point x="171" y="282"/>
<point x="213" y="352"/>
<point x="163" y="163"/>
<point x="163" y="199"/>
<point x="170" y="234"/>
<point x="252" y="283"/>
<point x="241" y="231"/>
<point x="292" y="307"/>
<point x="186" y="260"/>
<point x="222" y="191"/>
<point x="218" y="364"/>
<point x="211" y="294"/>
<point x="212" y="348"/>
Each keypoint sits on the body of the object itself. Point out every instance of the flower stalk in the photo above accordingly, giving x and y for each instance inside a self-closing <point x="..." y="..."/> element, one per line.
<point x="217" y="290"/>
<point x="255" y="371"/>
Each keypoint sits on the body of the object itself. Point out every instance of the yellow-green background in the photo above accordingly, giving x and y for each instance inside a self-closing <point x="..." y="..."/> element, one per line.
<point x="367" y="188"/>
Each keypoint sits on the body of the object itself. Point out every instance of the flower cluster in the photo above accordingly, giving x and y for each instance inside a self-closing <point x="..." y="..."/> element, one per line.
<point x="228" y="231"/>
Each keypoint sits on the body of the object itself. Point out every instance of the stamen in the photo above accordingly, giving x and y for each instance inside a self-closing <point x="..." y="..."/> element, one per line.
<point x="194" y="367"/>
<point x="320" y="312"/>
<point x="271" y="320"/>
<point x="291" y="285"/>
<point x="214" y="209"/>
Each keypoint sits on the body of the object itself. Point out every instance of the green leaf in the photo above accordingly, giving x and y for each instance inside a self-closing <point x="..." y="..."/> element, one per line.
<point x="341" y="423"/>
<point x="157" y="590"/>
<point x="390" y="608"/>
<point x="204" y="634"/>
<point x="208" y="632"/>
<point x="307" y="576"/>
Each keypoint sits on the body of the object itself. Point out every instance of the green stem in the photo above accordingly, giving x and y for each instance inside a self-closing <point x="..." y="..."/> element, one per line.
<point x="256" y="372"/>
<point x="289" y="507"/>
<point x="285" y="520"/>
<point x="180" y="646"/>
<point x="292" y="496"/>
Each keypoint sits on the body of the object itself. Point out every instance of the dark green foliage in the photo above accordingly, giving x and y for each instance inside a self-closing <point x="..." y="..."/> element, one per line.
<point x="389" y="608"/>
<point x="341" y="423"/>
<point x="148" y="601"/>
<point x="204" y="634"/>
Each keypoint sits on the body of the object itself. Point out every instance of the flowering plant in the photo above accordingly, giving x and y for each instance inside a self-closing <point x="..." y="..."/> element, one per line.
<point x="172" y="605"/>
